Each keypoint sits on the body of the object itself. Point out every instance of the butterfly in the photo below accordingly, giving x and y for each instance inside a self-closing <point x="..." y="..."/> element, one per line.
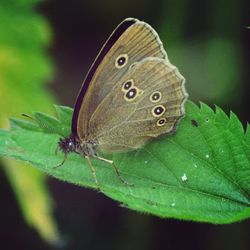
<point x="131" y="95"/>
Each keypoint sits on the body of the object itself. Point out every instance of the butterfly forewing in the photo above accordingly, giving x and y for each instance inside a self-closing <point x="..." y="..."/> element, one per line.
<point x="137" y="42"/>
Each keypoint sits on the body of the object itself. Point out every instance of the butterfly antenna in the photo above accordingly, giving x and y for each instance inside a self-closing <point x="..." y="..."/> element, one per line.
<point x="30" y="117"/>
<point x="40" y="124"/>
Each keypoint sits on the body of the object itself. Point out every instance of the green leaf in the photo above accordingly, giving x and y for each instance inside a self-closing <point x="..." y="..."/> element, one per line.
<point x="202" y="173"/>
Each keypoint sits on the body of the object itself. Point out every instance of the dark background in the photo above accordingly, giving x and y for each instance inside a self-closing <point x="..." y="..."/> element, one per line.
<point x="88" y="220"/>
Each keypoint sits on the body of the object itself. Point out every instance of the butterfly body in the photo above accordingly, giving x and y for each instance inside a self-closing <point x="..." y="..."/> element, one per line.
<point x="131" y="94"/>
<point x="72" y="144"/>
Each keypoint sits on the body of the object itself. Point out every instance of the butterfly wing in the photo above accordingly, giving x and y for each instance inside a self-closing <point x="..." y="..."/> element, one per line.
<point x="131" y="42"/>
<point x="146" y="102"/>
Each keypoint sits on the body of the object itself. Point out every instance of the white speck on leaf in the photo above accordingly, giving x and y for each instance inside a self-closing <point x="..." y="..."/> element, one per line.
<point x="145" y="162"/>
<point x="184" y="177"/>
<point x="207" y="156"/>
<point x="195" y="165"/>
<point x="173" y="204"/>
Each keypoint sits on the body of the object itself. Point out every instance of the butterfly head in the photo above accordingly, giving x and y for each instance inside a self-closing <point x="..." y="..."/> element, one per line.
<point x="67" y="144"/>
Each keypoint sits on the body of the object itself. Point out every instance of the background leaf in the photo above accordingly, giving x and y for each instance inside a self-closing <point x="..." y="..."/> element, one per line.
<point x="25" y="68"/>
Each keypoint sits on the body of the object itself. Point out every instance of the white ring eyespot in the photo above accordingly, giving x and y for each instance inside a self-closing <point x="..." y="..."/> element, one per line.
<point x="155" y="96"/>
<point x="158" y="110"/>
<point x="132" y="93"/>
<point x="121" y="61"/>
<point x="127" y="85"/>
<point x="161" y="122"/>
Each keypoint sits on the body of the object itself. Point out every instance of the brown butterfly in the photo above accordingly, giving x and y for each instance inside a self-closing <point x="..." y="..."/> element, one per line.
<point x="131" y="94"/>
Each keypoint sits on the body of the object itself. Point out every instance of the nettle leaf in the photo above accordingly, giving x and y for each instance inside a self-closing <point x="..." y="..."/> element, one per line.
<point x="202" y="173"/>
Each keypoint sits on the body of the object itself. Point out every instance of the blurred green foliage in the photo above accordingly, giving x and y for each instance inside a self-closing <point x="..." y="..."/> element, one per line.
<point x="25" y="68"/>
<point x="211" y="57"/>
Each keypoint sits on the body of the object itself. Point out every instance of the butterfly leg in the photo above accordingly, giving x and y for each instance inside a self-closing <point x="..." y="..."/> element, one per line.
<point x="61" y="163"/>
<point x="116" y="170"/>
<point x="93" y="171"/>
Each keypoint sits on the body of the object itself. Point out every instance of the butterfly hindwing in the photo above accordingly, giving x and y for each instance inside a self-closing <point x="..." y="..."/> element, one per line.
<point x="146" y="102"/>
